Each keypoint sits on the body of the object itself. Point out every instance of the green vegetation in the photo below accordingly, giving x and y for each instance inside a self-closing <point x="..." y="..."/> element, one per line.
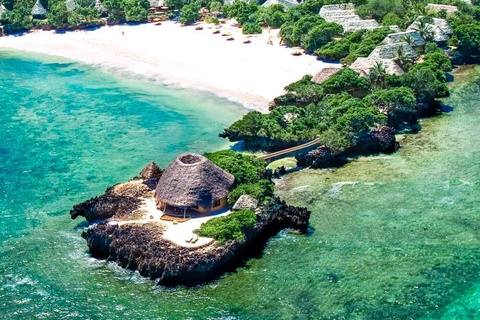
<point x="229" y="228"/>
<point x="249" y="172"/>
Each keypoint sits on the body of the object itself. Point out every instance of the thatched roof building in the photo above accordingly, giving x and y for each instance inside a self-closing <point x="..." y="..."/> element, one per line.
<point x="2" y="10"/>
<point x="157" y="3"/>
<point x="71" y="5"/>
<point x="38" y="10"/>
<point x="195" y="182"/>
<point x="324" y="74"/>
<point x="151" y="171"/>
<point x="389" y="51"/>
<point x="344" y="15"/>
<point x="440" y="28"/>
<point x="395" y="28"/>
<point x="100" y="7"/>
<point x="440" y="7"/>
<point x="415" y="38"/>
<point x="363" y="66"/>
<point x="355" y="25"/>
<point x="285" y="3"/>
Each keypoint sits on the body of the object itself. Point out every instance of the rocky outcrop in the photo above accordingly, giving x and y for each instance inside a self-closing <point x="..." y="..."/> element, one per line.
<point x="119" y="200"/>
<point x="320" y="158"/>
<point x="245" y="202"/>
<point x="137" y="247"/>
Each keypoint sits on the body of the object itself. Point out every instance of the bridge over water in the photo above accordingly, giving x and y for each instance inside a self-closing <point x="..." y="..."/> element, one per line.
<point x="293" y="151"/>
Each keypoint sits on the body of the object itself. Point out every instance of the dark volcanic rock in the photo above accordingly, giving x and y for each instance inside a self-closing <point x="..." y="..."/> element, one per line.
<point x="119" y="200"/>
<point x="137" y="247"/>
<point x="320" y="158"/>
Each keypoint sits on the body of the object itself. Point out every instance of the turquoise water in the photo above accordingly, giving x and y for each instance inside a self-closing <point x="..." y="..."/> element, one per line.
<point x="393" y="237"/>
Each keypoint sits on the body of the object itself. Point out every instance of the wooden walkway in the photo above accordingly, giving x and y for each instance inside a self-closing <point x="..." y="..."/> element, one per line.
<point x="282" y="153"/>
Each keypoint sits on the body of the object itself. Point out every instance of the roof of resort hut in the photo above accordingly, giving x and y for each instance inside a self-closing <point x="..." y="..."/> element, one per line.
<point x="440" y="7"/>
<point x="157" y="3"/>
<point x="336" y="7"/>
<point x="38" y="9"/>
<point x="363" y="65"/>
<point x="286" y="3"/>
<point x="193" y="180"/>
<point x="324" y="74"/>
<point x="2" y="10"/>
<point x="395" y="28"/>
<point x="342" y="18"/>
<point x="355" y="25"/>
<point x="100" y="7"/>
<point x="71" y="5"/>
<point x="415" y="38"/>
<point x="389" y="51"/>
<point x="440" y="28"/>
<point x="245" y="202"/>
<point x="151" y="171"/>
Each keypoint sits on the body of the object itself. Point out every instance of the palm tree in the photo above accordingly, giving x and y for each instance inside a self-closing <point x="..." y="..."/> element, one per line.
<point x="407" y="39"/>
<point x="377" y="74"/>
<point x="402" y="59"/>
<point x="424" y="29"/>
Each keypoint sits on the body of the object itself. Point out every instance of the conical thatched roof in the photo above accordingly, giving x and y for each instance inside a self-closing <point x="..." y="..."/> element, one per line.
<point x="151" y="171"/>
<point x="440" y="28"/>
<point x="193" y="180"/>
<point x="38" y="9"/>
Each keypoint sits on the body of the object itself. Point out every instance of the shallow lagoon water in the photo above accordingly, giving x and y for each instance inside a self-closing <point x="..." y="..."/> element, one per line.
<point x="392" y="236"/>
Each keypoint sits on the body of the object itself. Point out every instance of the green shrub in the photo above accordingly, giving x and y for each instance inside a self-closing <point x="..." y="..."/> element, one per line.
<point x="245" y="168"/>
<point x="260" y="191"/>
<point x="230" y="227"/>
<point x="213" y="20"/>
<point x="189" y="13"/>
<point x="251" y="28"/>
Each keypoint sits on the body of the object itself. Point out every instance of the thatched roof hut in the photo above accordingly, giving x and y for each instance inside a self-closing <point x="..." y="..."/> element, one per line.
<point x="415" y="38"/>
<point x="337" y="9"/>
<point x="71" y="5"/>
<point x="389" y="51"/>
<point x="285" y="3"/>
<point x="440" y="7"/>
<point x="38" y="10"/>
<point x="2" y="10"/>
<point x="363" y="66"/>
<point x="440" y="28"/>
<point x="395" y="28"/>
<point x="151" y="171"/>
<point x="157" y="3"/>
<point x="324" y="74"/>
<point x="192" y="180"/>
<point x="355" y="25"/>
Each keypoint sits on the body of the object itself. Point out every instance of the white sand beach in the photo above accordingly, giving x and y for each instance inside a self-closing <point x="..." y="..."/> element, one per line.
<point x="252" y="74"/>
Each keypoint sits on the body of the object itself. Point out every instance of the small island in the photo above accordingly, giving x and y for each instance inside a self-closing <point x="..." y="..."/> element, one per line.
<point x="201" y="217"/>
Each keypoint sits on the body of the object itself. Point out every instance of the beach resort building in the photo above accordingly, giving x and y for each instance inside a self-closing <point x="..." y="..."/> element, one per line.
<point x="285" y="3"/>
<point x="324" y="74"/>
<point x="38" y="10"/>
<point x="440" y="7"/>
<point x="363" y="65"/>
<point x="389" y="51"/>
<point x="193" y="183"/>
<point x="344" y="15"/>
<point x="413" y="38"/>
<point x="441" y="30"/>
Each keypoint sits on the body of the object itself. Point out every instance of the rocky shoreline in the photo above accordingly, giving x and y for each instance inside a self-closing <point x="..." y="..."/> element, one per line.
<point x="141" y="246"/>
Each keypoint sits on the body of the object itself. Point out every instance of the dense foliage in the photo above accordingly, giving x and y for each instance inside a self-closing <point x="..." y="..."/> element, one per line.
<point x="230" y="227"/>
<point x="249" y="173"/>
